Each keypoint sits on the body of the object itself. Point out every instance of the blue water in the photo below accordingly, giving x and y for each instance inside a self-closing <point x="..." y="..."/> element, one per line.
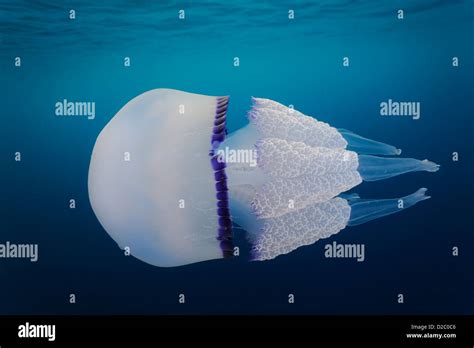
<point x="295" y="62"/>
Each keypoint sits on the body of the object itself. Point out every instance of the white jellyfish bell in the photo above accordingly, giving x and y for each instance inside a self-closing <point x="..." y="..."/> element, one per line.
<point x="166" y="181"/>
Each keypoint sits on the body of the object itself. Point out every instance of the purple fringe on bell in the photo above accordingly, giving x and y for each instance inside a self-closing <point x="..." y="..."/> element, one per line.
<point x="224" y="233"/>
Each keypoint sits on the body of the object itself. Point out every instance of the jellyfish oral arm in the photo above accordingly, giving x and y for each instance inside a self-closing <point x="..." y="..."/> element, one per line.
<point x="276" y="236"/>
<point x="363" y="211"/>
<point x="366" y="146"/>
<point x="373" y="168"/>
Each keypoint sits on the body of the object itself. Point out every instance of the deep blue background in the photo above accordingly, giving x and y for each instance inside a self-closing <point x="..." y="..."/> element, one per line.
<point x="295" y="62"/>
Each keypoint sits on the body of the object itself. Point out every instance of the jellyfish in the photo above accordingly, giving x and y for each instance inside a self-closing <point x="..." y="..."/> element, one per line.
<point x="162" y="183"/>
